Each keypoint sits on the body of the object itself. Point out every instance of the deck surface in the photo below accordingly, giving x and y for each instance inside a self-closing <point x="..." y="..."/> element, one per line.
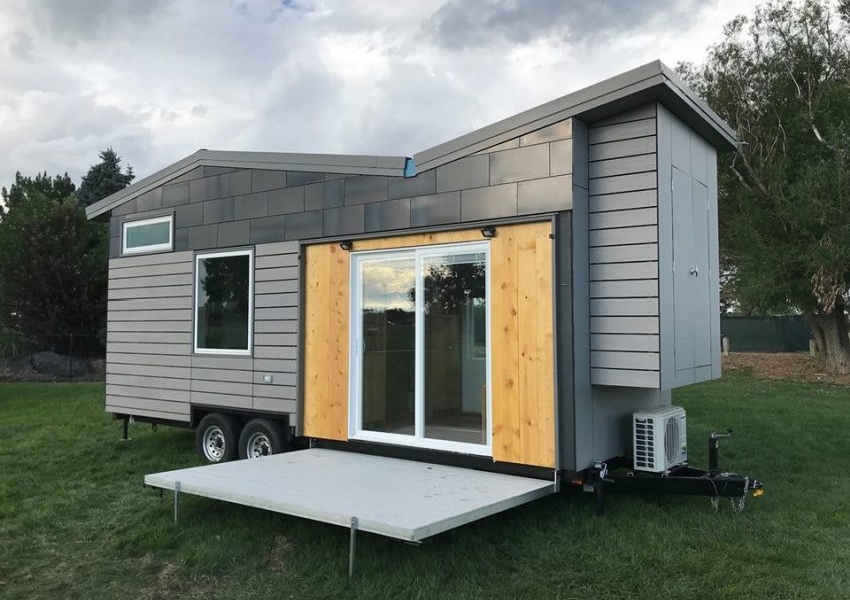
<point x="397" y="498"/>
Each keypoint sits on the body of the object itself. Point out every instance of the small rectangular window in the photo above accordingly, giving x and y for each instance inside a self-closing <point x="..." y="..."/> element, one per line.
<point x="223" y="302"/>
<point x="148" y="235"/>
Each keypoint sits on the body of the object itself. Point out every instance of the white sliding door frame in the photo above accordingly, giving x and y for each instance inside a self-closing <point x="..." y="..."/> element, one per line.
<point x="418" y="439"/>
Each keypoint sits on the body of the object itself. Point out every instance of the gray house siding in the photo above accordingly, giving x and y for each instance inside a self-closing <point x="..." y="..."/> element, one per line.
<point x="613" y="407"/>
<point x="276" y="327"/>
<point x="689" y="269"/>
<point x="652" y="221"/>
<point x="274" y="212"/>
<point x="220" y="210"/>
<point x="149" y="336"/>
<point x="623" y="255"/>
<point x="576" y="437"/>
<point x="615" y="278"/>
<point x="151" y="369"/>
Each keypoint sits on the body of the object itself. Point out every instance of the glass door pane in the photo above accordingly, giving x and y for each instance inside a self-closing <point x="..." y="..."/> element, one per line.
<point x="388" y="314"/>
<point x="455" y="347"/>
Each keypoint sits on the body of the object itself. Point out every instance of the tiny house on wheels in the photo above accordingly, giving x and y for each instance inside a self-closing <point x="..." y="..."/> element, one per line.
<point x="506" y="303"/>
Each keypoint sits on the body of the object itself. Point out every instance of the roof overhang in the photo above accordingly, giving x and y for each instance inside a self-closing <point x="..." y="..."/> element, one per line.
<point x="651" y="82"/>
<point x="275" y="161"/>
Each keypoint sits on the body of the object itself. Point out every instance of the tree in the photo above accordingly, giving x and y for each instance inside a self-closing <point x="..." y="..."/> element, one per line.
<point x="52" y="270"/>
<point x="782" y="80"/>
<point x="56" y="188"/>
<point x="104" y="178"/>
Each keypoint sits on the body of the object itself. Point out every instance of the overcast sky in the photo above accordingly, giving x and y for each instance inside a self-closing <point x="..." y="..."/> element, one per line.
<point x="158" y="79"/>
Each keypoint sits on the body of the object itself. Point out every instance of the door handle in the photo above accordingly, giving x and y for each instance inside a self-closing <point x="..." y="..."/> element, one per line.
<point x="695" y="271"/>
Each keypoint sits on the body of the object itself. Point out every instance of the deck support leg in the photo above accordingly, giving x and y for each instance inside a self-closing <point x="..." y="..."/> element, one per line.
<point x="125" y="430"/>
<point x="176" y="501"/>
<point x="351" y="546"/>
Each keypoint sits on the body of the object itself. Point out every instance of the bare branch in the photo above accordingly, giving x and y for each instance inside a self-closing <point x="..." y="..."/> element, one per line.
<point x="748" y="167"/>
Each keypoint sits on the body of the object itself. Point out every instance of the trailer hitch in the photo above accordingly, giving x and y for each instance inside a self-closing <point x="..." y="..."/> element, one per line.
<point x="619" y="475"/>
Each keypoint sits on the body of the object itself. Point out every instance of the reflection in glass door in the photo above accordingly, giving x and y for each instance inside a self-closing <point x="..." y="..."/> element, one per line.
<point x="388" y="345"/>
<point x="455" y="391"/>
<point x="420" y="347"/>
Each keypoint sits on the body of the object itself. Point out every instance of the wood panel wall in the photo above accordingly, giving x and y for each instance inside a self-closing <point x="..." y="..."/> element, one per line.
<point x="522" y="337"/>
<point x="325" y="413"/>
<point x="522" y="345"/>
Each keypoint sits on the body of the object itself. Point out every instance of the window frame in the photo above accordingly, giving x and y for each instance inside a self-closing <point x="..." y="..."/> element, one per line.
<point x="224" y="351"/>
<point x="168" y="246"/>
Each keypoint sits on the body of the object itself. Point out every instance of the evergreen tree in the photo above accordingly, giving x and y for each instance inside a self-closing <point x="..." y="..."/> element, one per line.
<point x="55" y="188"/>
<point x="104" y="178"/>
<point x="52" y="270"/>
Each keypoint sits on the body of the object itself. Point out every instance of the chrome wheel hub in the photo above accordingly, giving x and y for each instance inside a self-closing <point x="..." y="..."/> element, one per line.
<point x="258" y="445"/>
<point x="213" y="444"/>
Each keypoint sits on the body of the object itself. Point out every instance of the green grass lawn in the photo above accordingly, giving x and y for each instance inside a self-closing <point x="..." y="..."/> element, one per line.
<point x="75" y="521"/>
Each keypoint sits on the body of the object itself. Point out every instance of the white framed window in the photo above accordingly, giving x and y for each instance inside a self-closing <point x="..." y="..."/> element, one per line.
<point x="224" y="302"/>
<point x="148" y="235"/>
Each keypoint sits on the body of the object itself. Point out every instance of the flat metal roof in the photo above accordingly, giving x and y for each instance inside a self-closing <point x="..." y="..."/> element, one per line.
<point x="401" y="499"/>
<point x="652" y="81"/>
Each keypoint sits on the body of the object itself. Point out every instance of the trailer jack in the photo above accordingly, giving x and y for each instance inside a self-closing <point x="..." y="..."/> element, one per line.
<point x="619" y="475"/>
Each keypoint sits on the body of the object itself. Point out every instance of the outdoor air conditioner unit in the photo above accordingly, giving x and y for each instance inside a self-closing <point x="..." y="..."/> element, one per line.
<point x="660" y="439"/>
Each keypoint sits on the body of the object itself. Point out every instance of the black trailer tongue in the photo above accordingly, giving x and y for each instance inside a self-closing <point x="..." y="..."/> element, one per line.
<point x="619" y="475"/>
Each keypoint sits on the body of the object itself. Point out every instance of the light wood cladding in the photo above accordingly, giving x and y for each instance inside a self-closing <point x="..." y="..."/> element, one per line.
<point x="326" y="343"/>
<point x="522" y="357"/>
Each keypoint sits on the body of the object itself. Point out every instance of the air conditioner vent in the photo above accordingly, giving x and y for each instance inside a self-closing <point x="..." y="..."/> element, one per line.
<point x="660" y="439"/>
<point x="671" y="440"/>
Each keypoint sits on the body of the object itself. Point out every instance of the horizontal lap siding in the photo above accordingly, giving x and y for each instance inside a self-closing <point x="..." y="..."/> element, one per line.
<point x="623" y="253"/>
<point x="237" y="382"/>
<point x="149" y="336"/>
<point x="276" y="313"/>
<point x="222" y="381"/>
<point x="151" y="368"/>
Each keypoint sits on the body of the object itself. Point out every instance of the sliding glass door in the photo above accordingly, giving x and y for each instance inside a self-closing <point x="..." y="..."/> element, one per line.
<point x="387" y="318"/>
<point x="420" y="347"/>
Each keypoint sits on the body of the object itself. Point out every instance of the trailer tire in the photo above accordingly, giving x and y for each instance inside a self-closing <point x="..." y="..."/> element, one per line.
<point x="217" y="437"/>
<point x="262" y="437"/>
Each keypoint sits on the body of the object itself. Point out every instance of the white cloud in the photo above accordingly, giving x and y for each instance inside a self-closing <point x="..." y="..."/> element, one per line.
<point x="157" y="80"/>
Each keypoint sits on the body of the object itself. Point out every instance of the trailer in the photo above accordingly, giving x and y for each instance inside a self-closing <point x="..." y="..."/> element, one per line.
<point x="520" y="300"/>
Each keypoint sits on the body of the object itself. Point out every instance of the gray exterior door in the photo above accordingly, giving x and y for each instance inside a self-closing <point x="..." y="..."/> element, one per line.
<point x="683" y="260"/>
<point x="702" y="295"/>
<point x="692" y="323"/>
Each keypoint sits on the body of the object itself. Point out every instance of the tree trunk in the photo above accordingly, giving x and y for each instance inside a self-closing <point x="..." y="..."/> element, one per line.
<point x="830" y="334"/>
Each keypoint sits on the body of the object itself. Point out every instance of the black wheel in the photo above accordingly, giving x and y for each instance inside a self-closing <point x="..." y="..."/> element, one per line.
<point x="262" y="437"/>
<point x="217" y="437"/>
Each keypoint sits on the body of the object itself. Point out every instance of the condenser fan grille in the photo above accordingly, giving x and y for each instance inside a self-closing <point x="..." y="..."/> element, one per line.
<point x="671" y="439"/>
<point x="658" y="441"/>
